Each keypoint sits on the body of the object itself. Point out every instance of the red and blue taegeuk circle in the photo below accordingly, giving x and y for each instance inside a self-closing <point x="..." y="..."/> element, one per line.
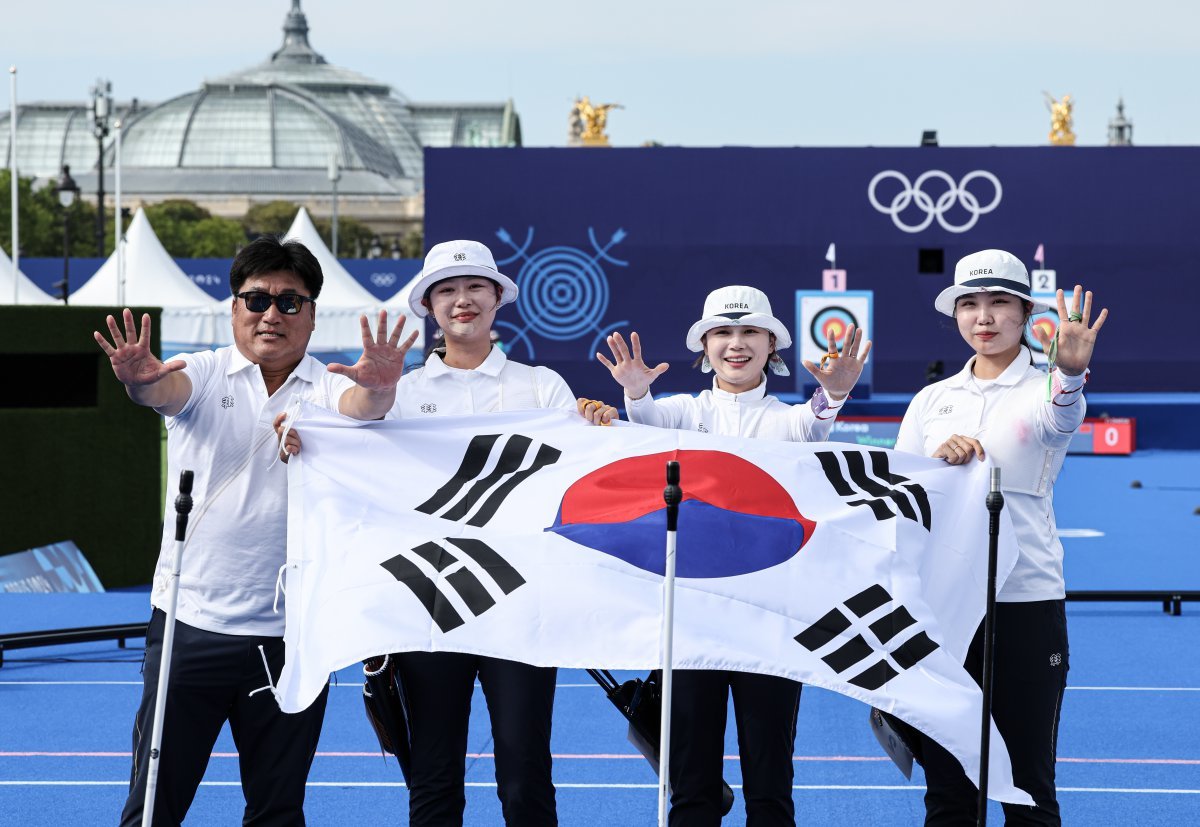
<point x="735" y="518"/>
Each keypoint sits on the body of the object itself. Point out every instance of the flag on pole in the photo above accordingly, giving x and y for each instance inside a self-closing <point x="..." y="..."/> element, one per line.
<point x="831" y="253"/>
<point x="1040" y="255"/>
<point x="533" y="537"/>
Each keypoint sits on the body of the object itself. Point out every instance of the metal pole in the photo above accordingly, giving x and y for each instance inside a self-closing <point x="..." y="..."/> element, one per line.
<point x="118" y="224"/>
<point x="14" y="179"/>
<point x="995" y="502"/>
<point x="66" y="282"/>
<point x="183" y="506"/>
<point x="672" y="495"/>
<point x="100" y="197"/>
<point x="334" y="174"/>
<point x="101" y="103"/>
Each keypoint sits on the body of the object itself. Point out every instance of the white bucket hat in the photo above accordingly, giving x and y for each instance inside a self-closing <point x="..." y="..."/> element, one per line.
<point x="737" y="305"/>
<point x="988" y="271"/>
<point x="458" y="258"/>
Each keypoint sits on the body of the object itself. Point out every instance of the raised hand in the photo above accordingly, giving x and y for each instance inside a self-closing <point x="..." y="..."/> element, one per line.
<point x="627" y="366"/>
<point x="1076" y="339"/>
<point x="838" y="372"/>
<point x="134" y="364"/>
<point x="382" y="362"/>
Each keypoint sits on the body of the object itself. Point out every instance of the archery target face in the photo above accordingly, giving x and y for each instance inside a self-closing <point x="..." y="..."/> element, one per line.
<point x="1048" y="322"/>
<point x="821" y="314"/>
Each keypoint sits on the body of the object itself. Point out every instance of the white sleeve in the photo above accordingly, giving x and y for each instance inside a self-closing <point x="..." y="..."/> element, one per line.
<point x="911" y="438"/>
<point x="200" y="369"/>
<point x="553" y="390"/>
<point x="1062" y="409"/>
<point x="665" y="413"/>
<point x="330" y="389"/>
<point x="812" y="421"/>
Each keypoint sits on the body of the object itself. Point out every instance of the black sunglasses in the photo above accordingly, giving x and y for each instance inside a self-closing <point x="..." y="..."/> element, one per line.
<point x="289" y="304"/>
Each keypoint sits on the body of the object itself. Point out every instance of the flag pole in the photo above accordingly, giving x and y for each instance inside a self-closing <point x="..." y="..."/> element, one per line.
<point x="13" y="180"/>
<point x="118" y="229"/>
<point x="183" y="506"/>
<point x="995" y="502"/>
<point x="672" y="495"/>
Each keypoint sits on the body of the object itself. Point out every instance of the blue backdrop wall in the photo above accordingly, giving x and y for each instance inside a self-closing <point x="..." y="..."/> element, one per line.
<point x="633" y="239"/>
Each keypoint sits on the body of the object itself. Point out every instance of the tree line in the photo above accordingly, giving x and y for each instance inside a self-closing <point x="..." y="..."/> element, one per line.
<point x="186" y="229"/>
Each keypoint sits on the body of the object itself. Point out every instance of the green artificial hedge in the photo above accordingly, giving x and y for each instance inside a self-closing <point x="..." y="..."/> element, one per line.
<point x="80" y="461"/>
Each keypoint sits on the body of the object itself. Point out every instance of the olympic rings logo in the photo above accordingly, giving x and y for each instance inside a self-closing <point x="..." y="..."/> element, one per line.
<point x="914" y="194"/>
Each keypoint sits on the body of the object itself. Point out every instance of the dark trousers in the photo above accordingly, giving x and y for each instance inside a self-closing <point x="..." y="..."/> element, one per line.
<point x="1029" y="678"/>
<point x="212" y="676"/>
<point x="765" y="708"/>
<point x="520" y="700"/>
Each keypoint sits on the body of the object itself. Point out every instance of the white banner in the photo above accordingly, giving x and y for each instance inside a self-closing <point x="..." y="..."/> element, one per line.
<point x="534" y="537"/>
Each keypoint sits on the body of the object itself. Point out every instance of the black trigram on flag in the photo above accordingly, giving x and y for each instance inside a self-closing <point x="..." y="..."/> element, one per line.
<point x="454" y="573"/>
<point x="470" y="492"/>
<point x="884" y="629"/>
<point x="884" y="490"/>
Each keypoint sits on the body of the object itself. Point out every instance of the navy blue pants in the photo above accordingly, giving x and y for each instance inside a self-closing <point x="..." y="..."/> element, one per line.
<point x="520" y="700"/>
<point x="765" y="708"/>
<point x="1029" y="678"/>
<point x="212" y="676"/>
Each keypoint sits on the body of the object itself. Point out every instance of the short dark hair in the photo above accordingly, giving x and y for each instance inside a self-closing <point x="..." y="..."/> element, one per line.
<point x="270" y="254"/>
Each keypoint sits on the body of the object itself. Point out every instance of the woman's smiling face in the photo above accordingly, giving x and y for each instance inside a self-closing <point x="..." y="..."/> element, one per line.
<point x="738" y="355"/>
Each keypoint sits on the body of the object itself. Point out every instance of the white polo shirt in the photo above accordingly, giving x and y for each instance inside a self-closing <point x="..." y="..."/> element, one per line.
<point x="1026" y="436"/>
<point x="496" y="385"/>
<point x="237" y="530"/>
<point x="747" y="414"/>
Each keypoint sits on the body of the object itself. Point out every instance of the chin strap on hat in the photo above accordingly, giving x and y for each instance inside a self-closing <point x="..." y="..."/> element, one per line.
<point x="778" y="366"/>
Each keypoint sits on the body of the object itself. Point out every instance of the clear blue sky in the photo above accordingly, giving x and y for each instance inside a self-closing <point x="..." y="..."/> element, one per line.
<point x="758" y="72"/>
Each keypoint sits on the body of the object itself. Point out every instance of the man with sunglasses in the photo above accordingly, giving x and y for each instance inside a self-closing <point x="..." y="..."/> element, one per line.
<point x="220" y="408"/>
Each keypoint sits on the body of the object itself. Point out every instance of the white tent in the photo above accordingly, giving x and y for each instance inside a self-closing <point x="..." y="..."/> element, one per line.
<point x="27" y="291"/>
<point x="153" y="279"/>
<point x="342" y="298"/>
<point x="397" y="306"/>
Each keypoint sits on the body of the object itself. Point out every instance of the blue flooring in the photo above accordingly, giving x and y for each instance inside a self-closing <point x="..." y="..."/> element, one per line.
<point x="1129" y="751"/>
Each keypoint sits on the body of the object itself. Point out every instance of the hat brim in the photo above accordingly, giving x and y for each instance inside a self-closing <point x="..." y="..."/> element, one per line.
<point x="508" y="287"/>
<point x="946" y="299"/>
<point x="783" y="339"/>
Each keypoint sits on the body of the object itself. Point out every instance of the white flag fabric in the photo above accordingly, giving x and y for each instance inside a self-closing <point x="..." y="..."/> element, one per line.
<point x="532" y="536"/>
<point x="831" y="253"/>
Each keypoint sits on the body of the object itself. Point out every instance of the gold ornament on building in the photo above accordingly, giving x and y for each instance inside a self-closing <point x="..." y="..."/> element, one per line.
<point x="1060" y="120"/>
<point x="587" y="121"/>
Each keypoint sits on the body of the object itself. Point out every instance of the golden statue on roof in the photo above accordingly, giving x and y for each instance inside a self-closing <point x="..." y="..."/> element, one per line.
<point x="1060" y="120"/>
<point x="592" y="118"/>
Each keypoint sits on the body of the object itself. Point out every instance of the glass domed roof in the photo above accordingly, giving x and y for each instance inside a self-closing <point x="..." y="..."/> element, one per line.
<point x="294" y="111"/>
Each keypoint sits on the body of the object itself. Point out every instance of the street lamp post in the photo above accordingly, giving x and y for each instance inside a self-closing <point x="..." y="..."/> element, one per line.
<point x="101" y="106"/>
<point x="67" y="191"/>
<point x="335" y="172"/>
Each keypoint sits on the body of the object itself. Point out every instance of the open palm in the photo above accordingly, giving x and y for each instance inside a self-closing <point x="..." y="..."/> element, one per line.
<point x="1076" y="334"/>
<point x="382" y="361"/>
<point x="841" y="370"/>
<point x="627" y="366"/>
<point x="133" y="363"/>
